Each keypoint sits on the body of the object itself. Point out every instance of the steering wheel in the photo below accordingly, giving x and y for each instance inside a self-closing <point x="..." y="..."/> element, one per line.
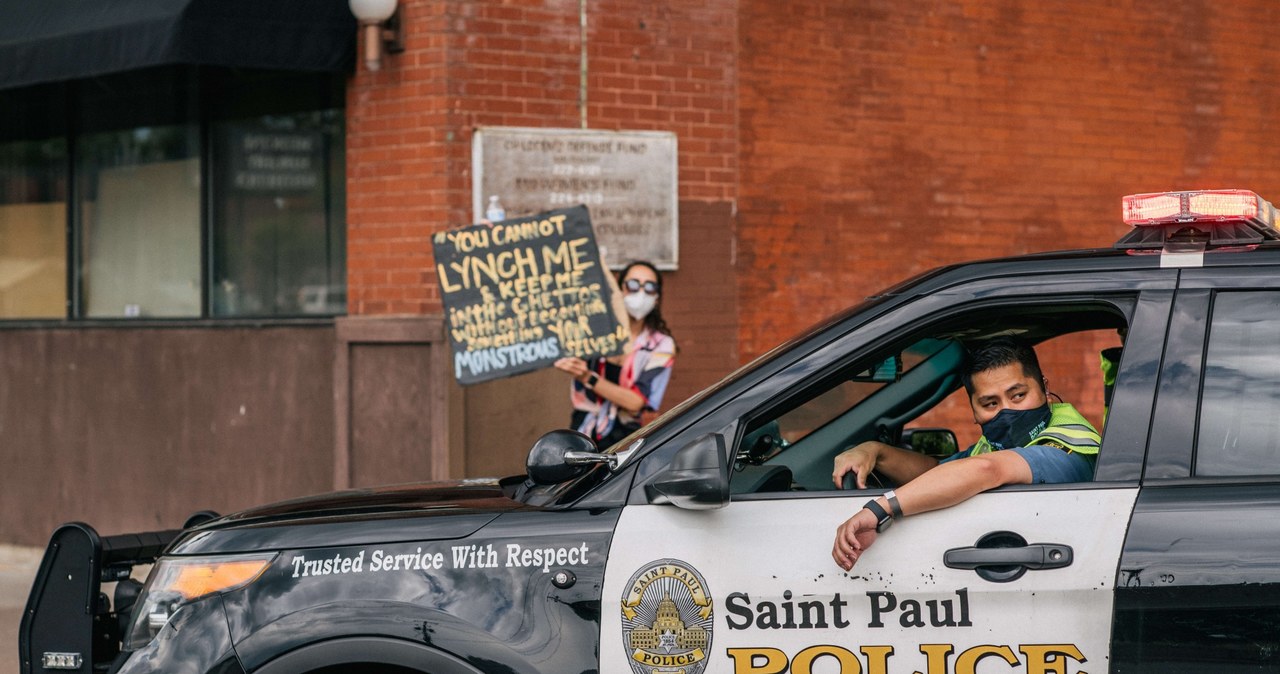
<point x="875" y="480"/>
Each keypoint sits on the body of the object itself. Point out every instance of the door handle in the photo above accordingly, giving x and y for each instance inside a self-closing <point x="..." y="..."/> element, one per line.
<point x="1005" y="564"/>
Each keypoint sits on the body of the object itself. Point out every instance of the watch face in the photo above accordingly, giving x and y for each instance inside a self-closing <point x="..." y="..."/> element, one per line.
<point x="883" y="519"/>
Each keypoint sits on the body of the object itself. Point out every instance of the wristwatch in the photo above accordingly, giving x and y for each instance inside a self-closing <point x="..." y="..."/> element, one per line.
<point x="592" y="380"/>
<point x="883" y="518"/>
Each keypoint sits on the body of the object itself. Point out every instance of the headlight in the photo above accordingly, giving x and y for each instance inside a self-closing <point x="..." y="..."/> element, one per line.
<point x="175" y="582"/>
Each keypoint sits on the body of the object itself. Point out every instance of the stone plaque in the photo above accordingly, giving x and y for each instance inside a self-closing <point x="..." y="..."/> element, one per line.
<point x="626" y="178"/>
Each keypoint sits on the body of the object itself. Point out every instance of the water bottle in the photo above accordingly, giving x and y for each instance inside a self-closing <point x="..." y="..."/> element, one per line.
<point x="495" y="212"/>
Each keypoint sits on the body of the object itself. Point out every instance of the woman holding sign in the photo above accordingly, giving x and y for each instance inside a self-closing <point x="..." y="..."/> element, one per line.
<point x="609" y="395"/>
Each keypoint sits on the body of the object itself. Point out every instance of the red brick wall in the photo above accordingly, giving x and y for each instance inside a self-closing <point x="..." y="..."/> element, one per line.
<point x="666" y="66"/>
<point x="881" y="138"/>
<point x="672" y="66"/>
<point x="830" y="147"/>
<point x="398" y="169"/>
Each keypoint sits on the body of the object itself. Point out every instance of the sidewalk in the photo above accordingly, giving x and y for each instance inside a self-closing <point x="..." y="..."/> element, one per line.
<point x="17" y="571"/>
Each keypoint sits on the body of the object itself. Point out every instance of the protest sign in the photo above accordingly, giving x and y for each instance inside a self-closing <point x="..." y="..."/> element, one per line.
<point x="524" y="292"/>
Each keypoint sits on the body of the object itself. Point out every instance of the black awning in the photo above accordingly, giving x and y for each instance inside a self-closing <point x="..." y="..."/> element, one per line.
<point x="56" y="40"/>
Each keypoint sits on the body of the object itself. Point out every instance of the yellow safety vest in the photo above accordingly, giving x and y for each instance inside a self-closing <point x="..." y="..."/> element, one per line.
<point x="1067" y="429"/>
<point x="1110" y="364"/>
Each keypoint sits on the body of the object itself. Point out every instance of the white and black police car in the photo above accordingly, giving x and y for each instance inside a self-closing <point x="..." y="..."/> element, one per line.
<point x="701" y="544"/>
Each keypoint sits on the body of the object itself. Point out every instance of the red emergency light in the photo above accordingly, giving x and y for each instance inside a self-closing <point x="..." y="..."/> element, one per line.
<point x="1200" y="219"/>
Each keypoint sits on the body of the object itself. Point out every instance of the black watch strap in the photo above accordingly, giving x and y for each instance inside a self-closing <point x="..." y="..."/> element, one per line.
<point x="883" y="518"/>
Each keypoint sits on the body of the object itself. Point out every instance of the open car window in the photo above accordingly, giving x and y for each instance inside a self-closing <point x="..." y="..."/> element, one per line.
<point x="798" y="423"/>
<point x="912" y="396"/>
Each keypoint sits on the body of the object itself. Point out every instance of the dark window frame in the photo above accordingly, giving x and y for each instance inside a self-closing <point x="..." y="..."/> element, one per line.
<point x="218" y="94"/>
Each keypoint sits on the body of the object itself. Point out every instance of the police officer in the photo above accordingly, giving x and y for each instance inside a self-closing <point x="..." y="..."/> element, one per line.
<point x="1045" y="443"/>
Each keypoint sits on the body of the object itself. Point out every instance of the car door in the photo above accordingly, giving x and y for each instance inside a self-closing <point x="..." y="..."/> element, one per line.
<point x="1017" y="579"/>
<point x="1199" y="580"/>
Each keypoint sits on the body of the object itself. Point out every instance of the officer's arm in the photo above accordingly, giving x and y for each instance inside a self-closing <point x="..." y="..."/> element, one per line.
<point x="955" y="481"/>
<point x="946" y="485"/>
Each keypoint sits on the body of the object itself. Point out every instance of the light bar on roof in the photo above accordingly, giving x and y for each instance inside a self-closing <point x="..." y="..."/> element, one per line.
<point x="1205" y="207"/>
<point x="1199" y="220"/>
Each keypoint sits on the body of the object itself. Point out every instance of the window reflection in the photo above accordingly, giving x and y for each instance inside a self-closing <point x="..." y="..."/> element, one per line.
<point x="33" y="223"/>
<point x="139" y="215"/>
<point x="278" y="248"/>
<point x="1239" y="428"/>
<point x="174" y="192"/>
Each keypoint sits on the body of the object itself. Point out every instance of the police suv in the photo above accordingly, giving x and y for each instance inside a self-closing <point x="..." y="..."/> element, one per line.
<point x="702" y="542"/>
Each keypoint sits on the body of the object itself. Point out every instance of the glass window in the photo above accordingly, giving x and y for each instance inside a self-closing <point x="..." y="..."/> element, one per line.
<point x="815" y="413"/>
<point x="916" y="399"/>
<point x="829" y="418"/>
<point x="1239" y="428"/>
<point x="139" y="216"/>
<point x="174" y="192"/>
<point x="278" y="244"/>
<point x="33" y="203"/>
<point x="137" y="195"/>
<point x="33" y="226"/>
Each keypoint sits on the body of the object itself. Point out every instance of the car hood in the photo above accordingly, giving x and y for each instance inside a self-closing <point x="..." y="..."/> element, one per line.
<point x="417" y="512"/>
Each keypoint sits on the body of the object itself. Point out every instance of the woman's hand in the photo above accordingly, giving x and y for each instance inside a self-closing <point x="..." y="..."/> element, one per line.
<point x="576" y="367"/>
<point x="624" y="397"/>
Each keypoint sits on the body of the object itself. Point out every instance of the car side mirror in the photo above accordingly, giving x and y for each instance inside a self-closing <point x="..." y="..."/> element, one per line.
<point x="697" y="477"/>
<point x="563" y="455"/>
<point x="936" y="442"/>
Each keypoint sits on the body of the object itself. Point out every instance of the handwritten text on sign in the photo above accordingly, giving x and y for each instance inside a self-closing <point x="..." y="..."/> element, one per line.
<point x="524" y="292"/>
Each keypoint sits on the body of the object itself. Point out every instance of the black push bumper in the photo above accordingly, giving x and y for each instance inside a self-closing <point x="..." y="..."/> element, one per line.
<point x="69" y="624"/>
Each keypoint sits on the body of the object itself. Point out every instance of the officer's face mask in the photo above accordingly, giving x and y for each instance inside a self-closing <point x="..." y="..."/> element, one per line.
<point x="1015" y="428"/>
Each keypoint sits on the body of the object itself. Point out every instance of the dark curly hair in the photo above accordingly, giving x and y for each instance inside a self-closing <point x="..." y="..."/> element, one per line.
<point x="654" y="321"/>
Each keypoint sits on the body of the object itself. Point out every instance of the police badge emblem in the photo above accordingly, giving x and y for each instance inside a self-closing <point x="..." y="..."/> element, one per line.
<point x="667" y="619"/>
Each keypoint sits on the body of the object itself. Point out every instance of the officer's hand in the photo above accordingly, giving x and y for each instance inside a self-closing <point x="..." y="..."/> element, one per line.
<point x="853" y="538"/>
<point x="859" y="460"/>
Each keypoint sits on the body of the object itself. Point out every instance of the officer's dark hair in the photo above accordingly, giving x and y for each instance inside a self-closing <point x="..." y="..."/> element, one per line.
<point x="999" y="352"/>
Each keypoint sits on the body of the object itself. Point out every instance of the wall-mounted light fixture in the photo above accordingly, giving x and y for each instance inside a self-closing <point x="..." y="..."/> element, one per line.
<point x="380" y="20"/>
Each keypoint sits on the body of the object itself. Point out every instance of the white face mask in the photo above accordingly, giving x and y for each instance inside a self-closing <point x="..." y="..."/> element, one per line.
<point x="639" y="304"/>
